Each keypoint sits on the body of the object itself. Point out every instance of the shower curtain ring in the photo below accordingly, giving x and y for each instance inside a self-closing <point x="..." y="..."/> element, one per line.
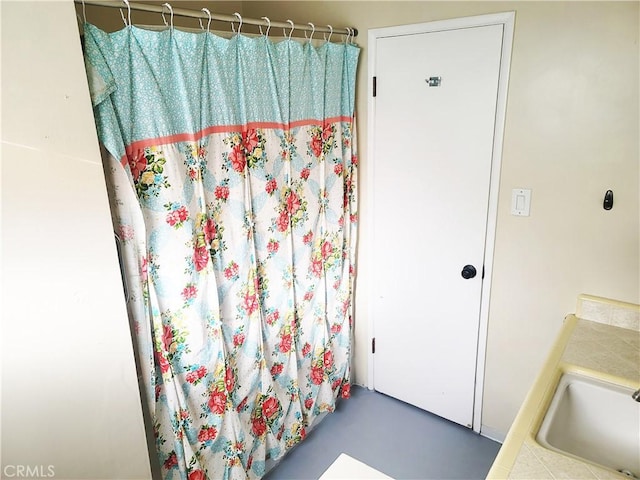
<point x="290" y="22"/>
<point x="166" y="24"/>
<point x="239" y="21"/>
<point x="205" y="10"/>
<point x="170" y="11"/>
<point x="268" y="26"/>
<point x="313" y="30"/>
<point x="126" y="2"/>
<point x="347" y="40"/>
<point x="84" y="12"/>
<point x="330" y="33"/>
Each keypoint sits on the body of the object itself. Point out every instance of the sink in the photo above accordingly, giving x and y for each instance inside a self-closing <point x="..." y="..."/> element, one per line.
<point x="595" y="421"/>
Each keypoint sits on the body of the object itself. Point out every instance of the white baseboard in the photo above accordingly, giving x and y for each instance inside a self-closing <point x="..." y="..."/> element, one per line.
<point x="492" y="434"/>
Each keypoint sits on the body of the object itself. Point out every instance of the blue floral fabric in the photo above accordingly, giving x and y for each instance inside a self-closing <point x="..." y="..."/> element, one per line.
<point x="232" y="172"/>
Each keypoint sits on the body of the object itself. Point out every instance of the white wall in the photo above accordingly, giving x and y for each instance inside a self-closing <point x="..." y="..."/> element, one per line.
<point x="571" y="133"/>
<point x="69" y="392"/>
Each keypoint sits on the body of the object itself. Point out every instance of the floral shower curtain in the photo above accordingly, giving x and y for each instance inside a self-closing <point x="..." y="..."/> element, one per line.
<point x="231" y="167"/>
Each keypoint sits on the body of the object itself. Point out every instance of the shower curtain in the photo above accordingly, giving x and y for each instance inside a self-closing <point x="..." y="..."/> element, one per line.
<point x="231" y="168"/>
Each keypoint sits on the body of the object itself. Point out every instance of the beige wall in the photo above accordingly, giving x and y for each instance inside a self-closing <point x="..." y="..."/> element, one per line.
<point x="571" y="134"/>
<point x="70" y="401"/>
<point x="109" y="20"/>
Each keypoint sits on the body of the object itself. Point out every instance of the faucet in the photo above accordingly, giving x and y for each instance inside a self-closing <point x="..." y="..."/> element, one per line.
<point x="636" y="395"/>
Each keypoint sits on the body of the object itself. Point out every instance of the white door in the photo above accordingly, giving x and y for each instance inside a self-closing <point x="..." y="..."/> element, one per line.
<point x="432" y="168"/>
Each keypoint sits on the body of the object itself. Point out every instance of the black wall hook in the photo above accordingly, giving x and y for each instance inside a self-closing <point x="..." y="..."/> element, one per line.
<point x="607" y="204"/>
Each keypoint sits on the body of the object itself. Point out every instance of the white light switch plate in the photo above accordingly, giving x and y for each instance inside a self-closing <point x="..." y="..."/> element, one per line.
<point x="520" y="202"/>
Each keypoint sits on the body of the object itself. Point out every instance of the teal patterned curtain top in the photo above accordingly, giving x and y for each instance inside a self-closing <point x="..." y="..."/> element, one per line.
<point x="163" y="84"/>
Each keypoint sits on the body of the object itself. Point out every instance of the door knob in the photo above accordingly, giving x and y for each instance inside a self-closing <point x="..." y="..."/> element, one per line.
<point x="468" y="271"/>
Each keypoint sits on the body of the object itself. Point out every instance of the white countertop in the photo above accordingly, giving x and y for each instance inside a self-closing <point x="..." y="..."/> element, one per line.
<point x="596" y="349"/>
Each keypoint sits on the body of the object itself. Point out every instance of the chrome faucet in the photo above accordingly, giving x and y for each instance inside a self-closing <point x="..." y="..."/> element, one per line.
<point x="636" y="395"/>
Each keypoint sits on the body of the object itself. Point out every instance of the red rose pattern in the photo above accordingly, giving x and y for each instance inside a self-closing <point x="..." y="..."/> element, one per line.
<point x="189" y="292"/>
<point x="217" y="402"/>
<point x="293" y="202"/>
<point x="238" y="158"/>
<point x="317" y="375"/>
<point x="200" y="258"/>
<point x="327" y="131"/>
<point x="271" y="186"/>
<point x="167" y="336"/>
<point x="258" y="426"/>
<point x="238" y="339"/>
<point x="229" y="379"/>
<point x="207" y="434"/>
<point x="307" y="238"/>
<point x="250" y="303"/>
<point x="221" y="192"/>
<point x="276" y="369"/>
<point x="231" y="271"/>
<point x="210" y="230"/>
<point x="177" y="216"/>
<point x="270" y="407"/>
<point x="316" y="267"/>
<point x="164" y="363"/>
<point x="283" y="221"/>
<point x="250" y="140"/>
<point x="327" y="249"/>
<point x="328" y="359"/>
<point x="346" y="391"/>
<point x="316" y="146"/>
<point x="273" y="317"/>
<point x="273" y="246"/>
<point x="137" y="164"/>
<point x="196" y="375"/>
<point x="171" y="461"/>
<point x="197" y="475"/>
<point x="321" y="362"/>
<point x="285" y="343"/>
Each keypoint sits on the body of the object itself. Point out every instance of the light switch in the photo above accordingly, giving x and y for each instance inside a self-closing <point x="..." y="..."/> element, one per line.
<point x="520" y="202"/>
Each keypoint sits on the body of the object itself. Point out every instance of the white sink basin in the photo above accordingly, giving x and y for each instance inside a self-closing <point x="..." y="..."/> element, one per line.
<point x="596" y="421"/>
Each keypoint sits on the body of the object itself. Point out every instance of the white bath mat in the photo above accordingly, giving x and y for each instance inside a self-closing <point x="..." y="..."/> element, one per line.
<point x="348" y="468"/>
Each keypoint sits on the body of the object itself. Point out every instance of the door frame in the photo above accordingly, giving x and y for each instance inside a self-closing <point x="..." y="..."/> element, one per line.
<point x="507" y="20"/>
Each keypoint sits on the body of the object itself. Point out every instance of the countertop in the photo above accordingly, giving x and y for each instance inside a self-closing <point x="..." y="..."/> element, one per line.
<point x="592" y="348"/>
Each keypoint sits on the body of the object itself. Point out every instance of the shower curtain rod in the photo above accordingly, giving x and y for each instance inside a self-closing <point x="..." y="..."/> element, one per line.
<point x="183" y="12"/>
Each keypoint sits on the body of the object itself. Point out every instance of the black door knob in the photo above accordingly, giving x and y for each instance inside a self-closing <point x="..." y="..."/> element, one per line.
<point x="468" y="271"/>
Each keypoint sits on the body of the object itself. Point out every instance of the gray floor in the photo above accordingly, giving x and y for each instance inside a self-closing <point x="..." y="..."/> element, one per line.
<point x="391" y="436"/>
